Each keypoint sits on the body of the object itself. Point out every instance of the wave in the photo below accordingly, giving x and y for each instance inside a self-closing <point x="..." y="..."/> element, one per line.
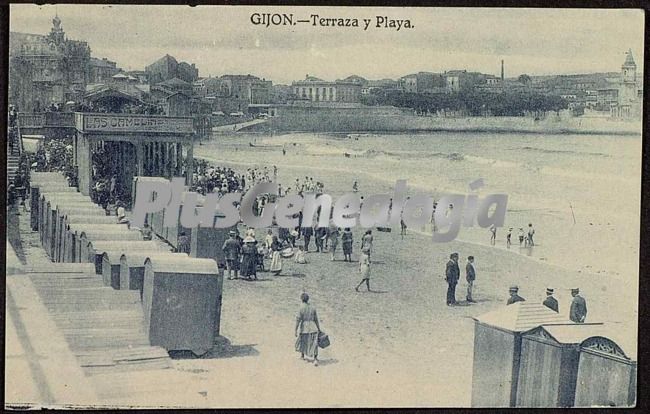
<point x="554" y="151"/>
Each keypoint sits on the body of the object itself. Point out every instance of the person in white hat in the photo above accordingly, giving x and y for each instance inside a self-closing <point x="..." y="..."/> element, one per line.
<point x="249" y="258"/>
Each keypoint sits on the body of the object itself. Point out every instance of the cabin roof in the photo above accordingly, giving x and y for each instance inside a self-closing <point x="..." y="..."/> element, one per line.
<point x="521" y="316"/>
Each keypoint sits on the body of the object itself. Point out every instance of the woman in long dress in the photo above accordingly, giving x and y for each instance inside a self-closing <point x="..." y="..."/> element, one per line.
<point x="276" y="257"/>
<point x="307" y="329"/>
<point x="249" y="258"/>
<point x="346" y="239"/>
<point x="334" y="240"/>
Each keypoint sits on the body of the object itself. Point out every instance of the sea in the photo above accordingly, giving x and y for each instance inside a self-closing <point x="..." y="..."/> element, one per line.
<point x="580" y="192"/>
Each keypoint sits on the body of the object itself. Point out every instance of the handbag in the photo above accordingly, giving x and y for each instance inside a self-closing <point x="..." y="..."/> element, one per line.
<point x="323" y="340"/>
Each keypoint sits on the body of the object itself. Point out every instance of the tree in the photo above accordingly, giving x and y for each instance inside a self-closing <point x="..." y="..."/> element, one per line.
<point x="524" y="79"/>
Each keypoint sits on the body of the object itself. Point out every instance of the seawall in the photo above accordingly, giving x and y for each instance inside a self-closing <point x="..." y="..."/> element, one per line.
<point x="370" y="119"/>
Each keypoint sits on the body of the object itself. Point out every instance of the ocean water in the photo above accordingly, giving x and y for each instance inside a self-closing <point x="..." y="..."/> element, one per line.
<point x="581" y="192"/>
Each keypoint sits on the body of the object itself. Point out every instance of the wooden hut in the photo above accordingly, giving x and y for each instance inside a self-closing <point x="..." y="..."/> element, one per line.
<point x="132" y="268"/>
<point x="95" y="249"/>
<point x="575" y="365"/>
<point x="182" y="302"/>
<point x="206" y="242"/>
<point x="61" y="226"/>
<point x="111" y="265"/>
<point x="497" y="349"/>
<point x="38" y="180"/>
<point x="47" y="215"/>
<point x="75" y="231"/>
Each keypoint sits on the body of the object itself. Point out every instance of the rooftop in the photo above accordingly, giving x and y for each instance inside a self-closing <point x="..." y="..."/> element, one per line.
<point x="521" y="316"/>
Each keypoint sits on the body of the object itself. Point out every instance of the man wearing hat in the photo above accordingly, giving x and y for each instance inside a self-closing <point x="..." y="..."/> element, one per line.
<point x="452" y="274"/>
<point x="232" y="249"/>
<point x="514" y="297"/>
<point x="550" y="302"/>
<point x="578" y="311"/>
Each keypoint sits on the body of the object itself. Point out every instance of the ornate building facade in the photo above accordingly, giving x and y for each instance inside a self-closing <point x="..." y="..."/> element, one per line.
<point x="46" y="69"/>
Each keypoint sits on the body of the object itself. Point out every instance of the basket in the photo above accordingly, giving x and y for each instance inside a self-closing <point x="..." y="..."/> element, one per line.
<point x="323" y="340"/>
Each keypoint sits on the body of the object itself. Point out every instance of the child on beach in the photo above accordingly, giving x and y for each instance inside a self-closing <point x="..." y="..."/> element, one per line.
<point x="521" y="236"/>
<point x="364" y="268"/>
<point x="300" y="256"/>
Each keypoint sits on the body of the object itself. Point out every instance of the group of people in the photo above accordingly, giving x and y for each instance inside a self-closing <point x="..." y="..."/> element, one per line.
<point x="208" y="179"/>
<point x="526" y="238"/>
<point x="577" y="310"/>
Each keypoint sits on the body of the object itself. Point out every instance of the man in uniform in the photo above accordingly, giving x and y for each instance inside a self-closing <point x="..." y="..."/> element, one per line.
<point x="514" y="297"/>
<point x="550" y="302"/>
<point x="578" y="311"/>
<point x="452" y="274"/>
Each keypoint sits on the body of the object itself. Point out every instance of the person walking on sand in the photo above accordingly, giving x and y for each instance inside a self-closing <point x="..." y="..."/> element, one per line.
<point x="521" y="236"/>
<point x="364" y="269"/>
<point x="578" y="310"/>
<point x="307" y="232"/>
<point x="307" y="330"/>
<point x="402" y="228"/>
<point x="509" y="238"/>
<point x="550" y="302"/>
<point x="493" y="237"/>
<point x="366" y="241"/>
<point x="452" y="274"/>
<point x="470" y="276"/>
<point x="531" y="233"/>
<point x="334" y="241"/>
<point x="232" y="251"/>
<point x="276" y="257"/>
<point x="249" y="258"/>
<point x="347" y="239"/>
<point x="514" y="296"/>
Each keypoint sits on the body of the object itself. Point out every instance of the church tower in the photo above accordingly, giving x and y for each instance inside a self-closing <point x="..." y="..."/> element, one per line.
<point x="57" y="35"/>
<point x="628" y="70"/>
<point x="628" y="100"/>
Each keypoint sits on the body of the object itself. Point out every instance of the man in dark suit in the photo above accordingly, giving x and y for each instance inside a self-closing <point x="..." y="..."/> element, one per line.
<point x="578" y="311"/>
<point x="452" y="275"/>
<point x="514" y="296"/>
<point x="550" y="302"/>
<point x="470" y="275"/>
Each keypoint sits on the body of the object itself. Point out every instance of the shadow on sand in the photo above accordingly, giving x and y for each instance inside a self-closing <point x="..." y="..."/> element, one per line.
<point x="222" y="349"/>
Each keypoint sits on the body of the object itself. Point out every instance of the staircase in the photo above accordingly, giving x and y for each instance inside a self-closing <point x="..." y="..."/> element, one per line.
<point x="13" y="153"/>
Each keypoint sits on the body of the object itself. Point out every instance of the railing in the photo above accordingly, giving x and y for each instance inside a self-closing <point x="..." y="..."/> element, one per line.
<point x="59" y="119"/>
<point x="31" y="120"/>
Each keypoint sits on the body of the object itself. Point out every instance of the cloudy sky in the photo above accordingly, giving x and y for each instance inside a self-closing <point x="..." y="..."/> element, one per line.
<point x="222" y="39"/>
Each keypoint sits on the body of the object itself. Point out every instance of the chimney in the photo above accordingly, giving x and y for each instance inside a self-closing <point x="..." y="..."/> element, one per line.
<point x="502" y="73"/>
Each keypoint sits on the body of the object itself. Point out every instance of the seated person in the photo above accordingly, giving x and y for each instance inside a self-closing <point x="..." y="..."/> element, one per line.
<point x="300" y="256"/>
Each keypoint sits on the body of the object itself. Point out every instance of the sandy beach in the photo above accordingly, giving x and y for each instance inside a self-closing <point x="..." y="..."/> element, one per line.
<point x="398" y="346"/>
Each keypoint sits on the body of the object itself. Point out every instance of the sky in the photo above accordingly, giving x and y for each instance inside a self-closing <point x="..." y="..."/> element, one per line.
<point x="223" y="40"/>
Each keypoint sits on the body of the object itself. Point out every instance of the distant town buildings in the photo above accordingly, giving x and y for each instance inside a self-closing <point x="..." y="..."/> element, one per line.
<point x="319" y="90"/>
<point x="101" y="70"/>
<point x="51" y="69"/>
<point x="167" y="67"/>
<point x="47" y="69"/>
